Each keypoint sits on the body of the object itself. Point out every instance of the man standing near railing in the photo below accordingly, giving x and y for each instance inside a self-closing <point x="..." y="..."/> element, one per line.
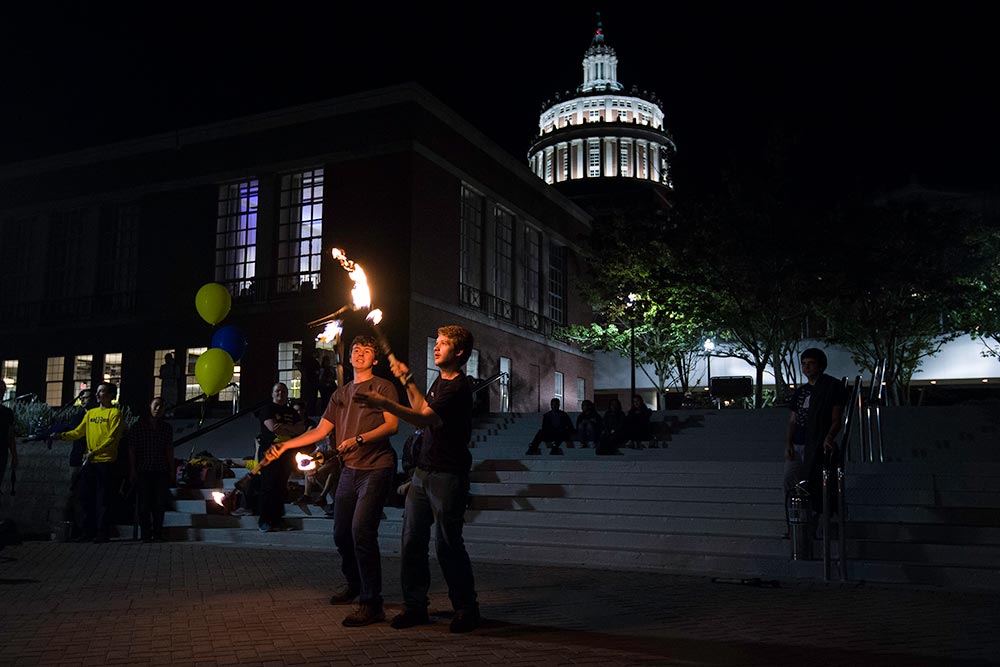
<point x="817" y="415"/>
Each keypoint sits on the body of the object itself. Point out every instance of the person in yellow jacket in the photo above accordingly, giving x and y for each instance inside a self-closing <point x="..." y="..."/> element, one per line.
<point x="103" y="427"/>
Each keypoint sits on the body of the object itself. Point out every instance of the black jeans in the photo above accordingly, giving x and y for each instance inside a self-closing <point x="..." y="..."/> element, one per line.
<point x="437" y="498"/>
<point x="95" y="495"/>
<point x="151" y="496"/>
<point x="274" y="489"/>
<point x="357" y="511"/>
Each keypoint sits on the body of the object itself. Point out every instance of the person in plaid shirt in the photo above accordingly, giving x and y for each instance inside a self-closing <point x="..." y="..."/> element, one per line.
<point x="151" y="465"/>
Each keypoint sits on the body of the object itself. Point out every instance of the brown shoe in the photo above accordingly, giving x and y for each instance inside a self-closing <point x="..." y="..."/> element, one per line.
<point x="365" y="614"/>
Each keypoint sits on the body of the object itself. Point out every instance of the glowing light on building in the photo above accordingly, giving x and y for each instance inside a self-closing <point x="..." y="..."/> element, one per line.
<point x="601" y="131"/>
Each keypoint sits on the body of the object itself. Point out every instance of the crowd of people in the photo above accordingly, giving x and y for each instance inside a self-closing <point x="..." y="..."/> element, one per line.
<point x="359" y="465"/>
<point x="606" y="434"/>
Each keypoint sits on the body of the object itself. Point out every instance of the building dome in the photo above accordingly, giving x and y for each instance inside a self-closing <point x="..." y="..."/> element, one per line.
<point x="600" y="131"/>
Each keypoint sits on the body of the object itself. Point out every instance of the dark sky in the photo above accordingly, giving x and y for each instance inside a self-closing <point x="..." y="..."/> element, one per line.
<point x="873" y="93"/>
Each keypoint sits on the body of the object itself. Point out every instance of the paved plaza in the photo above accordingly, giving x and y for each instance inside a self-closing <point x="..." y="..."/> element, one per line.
<point x="126" y="603"/>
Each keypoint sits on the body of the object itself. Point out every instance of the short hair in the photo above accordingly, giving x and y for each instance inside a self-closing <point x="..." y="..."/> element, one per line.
<point x="365" y="341"/>
<point x="817" y="354"/>
<point x="111" y="386"/>
<point x="461" y="339"/>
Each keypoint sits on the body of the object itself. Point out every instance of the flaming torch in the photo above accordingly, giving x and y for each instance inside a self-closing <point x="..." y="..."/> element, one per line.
<point x="361" y="297"/>
<point x="306" y="463"/>
<point x="375" y="317"/>
<point x="218" y="497"/>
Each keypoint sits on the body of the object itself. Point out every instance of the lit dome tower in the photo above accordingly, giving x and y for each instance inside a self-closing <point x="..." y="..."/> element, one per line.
<point x="601" y="131"/>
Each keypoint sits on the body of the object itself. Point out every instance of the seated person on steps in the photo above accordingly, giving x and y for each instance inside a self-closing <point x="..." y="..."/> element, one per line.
<point x="556" y="428"/>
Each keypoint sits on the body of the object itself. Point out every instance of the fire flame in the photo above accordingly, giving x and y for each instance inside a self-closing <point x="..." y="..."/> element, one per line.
<point x="218" y="496"/>
<point x="360" y="295"/>
<point x="375" y="316"/>
<point x="332" y="332"/>
<point x="304" y="462"/>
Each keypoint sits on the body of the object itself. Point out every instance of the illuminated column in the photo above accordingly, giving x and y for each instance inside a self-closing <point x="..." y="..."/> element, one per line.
<point x="609" y="157"/>
<point x="578" y="168"/>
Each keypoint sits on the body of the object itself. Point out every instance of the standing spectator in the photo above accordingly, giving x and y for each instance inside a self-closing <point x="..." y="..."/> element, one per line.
<point x="556" y="428"/>
<point x="169" y="380"/>
<point x="327" y="380"/>
<point x="150" y="444"/>
<point x="103" y="429"/>
<point x="589" y="425"/>
<point x="369" y="468"/>
<point x="278" y="423"/>
<point x="817" y="415"/>
<point x="637" y="423"/>
<point x="8" y="446"/>
<point x="309" y="375"/>
<point x="73" y="511"/>
<point x="439" y="491"/>
<point x="614" y="429"/>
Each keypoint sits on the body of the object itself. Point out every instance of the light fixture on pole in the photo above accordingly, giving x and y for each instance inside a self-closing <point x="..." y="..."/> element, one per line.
<point x="709" y="347"/>
<point x="630" y="306"/>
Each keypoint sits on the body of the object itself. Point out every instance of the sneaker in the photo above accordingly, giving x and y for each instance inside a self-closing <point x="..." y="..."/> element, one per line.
<point x="410" y="618"/>
<point x="465" y="621"/>
<point x="264" y="528"/>
<point x="345" y="595"/>
<point x="240" y="511"/>
<point x="365" y="614"/>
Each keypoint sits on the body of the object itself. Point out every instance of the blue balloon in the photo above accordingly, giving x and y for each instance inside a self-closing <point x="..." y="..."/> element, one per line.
<point x="232" y="340"/>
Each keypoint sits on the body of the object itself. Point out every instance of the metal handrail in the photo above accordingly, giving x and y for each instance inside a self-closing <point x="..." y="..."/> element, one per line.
<point x="33" y="397"/>
<point x="219" y="424"/>
<point x="499" y="376"/>
<point x="853" y="411"/>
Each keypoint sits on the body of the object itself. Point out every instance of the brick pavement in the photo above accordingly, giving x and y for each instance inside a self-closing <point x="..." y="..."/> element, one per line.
<point x="195" y="604"/>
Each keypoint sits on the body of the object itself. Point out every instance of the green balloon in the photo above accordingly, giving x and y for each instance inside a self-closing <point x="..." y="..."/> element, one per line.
<point x="214" y="370"/>
<point x="213" y="302"/>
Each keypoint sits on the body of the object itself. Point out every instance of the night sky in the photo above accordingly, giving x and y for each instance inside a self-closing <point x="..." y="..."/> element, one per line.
<point x="873" y="95"/>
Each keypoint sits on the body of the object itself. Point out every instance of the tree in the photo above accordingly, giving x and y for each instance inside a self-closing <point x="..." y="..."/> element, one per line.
<point x="906" y="280"/>
<point x="631" y="255"/>
<point x="666" y="341"/>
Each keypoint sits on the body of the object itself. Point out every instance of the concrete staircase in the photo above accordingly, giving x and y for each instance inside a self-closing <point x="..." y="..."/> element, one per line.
<point x="708" y="503"/>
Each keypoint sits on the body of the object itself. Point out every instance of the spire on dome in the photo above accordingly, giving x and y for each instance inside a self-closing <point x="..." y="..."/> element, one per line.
<point x="600" y="64"/>
<point x="599" y="33"/>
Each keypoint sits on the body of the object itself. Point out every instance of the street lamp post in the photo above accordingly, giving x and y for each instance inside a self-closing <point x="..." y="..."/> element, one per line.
<point x="631" y="342"/>
<point x="709" y="346"/>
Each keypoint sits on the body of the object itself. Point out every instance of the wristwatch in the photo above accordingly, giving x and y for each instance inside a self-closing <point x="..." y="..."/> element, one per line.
<point x="358" y="439"/>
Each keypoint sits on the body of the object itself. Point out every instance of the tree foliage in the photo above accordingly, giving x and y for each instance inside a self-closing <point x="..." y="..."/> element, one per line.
<point x="904" y="283"/>
<point x="752" y="262"/>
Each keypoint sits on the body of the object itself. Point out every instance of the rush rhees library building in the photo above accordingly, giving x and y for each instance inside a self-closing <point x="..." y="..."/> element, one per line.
<point x="104" y="250"/>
